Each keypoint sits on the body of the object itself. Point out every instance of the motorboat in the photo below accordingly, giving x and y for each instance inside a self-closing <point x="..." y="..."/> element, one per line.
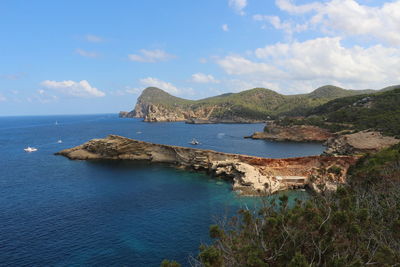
<point x="59" y="141"/>
<point x="30" y="149"/>
<point x="194" y="142"/>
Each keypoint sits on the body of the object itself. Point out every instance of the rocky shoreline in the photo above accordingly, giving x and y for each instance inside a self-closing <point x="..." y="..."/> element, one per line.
<point x="250" y="175"/>
<point x="295" y="133"/>
<point x="336" y="143"/>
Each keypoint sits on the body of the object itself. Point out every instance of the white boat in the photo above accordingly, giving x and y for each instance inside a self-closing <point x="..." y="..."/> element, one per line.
<point x="30" y="149"/>
<point x="59" y="141"/>
<point x="194" y="142"/>
<point x="56" y="123"/>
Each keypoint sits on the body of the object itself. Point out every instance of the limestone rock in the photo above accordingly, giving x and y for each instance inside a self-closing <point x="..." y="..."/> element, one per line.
<point x="360" y="142"/>
<point x="250" y="175"/>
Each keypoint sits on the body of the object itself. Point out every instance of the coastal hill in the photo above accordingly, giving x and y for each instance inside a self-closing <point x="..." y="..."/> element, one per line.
<point x="258" y="104"/>
<point x="355" y="124"/>
<point x="379" y="111"/>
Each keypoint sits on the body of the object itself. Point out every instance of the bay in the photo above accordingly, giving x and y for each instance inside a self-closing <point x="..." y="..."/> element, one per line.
<point x="58" y="212"/>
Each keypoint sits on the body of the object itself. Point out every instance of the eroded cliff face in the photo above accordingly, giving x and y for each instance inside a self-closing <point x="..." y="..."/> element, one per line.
<point x="250" y="175"/>
<point x="296" y="133"/>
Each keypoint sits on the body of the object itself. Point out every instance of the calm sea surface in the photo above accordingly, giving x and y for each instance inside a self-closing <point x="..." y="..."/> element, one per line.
<point x="58" y="212"/>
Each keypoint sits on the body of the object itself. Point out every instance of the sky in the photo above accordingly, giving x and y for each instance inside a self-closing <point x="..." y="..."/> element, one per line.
<point x="96" y="56"/>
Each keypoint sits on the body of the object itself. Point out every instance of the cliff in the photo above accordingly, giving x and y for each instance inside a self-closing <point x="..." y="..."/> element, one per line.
<point x="250" y="175"/>
<point x="254" y="105"/>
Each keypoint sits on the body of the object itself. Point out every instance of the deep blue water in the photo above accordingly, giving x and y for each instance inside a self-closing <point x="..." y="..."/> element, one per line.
<point x="58" y="212"/>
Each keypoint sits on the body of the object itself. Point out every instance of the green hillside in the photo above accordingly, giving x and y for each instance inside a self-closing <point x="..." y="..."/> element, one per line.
<point x="379" y="111"/>
<point x="256" y="104"/>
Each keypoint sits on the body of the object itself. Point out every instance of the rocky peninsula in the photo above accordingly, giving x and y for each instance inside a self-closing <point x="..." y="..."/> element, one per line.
<point x="340" y="143"/>
<point x="250" y="175"/>
<point x="295" y="133"/>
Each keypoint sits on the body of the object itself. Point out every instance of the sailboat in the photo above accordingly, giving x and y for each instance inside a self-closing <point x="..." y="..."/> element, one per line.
<point x="30" y="149"/>
<point x="194" y="142"/>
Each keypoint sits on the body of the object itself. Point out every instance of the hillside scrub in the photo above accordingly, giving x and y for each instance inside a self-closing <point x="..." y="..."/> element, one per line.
<point x="357" y="225"/>
<point x="378" y="111"/>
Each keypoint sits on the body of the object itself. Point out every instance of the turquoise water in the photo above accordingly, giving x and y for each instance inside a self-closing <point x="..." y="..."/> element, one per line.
<point x="58" y="212"/>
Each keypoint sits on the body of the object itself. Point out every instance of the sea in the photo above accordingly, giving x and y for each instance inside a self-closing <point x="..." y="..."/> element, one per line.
<point x="59" y="212"/>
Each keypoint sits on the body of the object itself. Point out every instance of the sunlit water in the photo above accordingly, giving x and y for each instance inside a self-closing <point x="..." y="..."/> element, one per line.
<point x="58" y="212"/>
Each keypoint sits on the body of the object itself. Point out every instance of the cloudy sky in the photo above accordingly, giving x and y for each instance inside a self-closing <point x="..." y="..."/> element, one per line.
<point x="92" y="56"/>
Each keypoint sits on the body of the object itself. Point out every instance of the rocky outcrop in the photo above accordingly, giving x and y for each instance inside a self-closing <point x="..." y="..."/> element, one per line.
<point x="297" y="133"/>
<point x="250" y="175"/>
<point x="156" y="113"/>
<point x="358" y="143"/>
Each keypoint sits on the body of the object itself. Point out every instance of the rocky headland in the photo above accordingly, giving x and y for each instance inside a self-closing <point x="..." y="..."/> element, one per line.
<point x="249" y="106"/>
<point x="295" y="133"/>
<point x="336" y="143"/>
<point x="250" y="175"/>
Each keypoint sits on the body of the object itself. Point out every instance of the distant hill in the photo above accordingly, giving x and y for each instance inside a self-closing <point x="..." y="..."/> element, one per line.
<point x="330" y="91"/>
<point x="252" y="105"/>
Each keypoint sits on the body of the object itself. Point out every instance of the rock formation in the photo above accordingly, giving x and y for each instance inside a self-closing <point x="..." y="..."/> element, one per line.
<point x="357" y="143"/>
<point x="297" y="133"/>
<point x="250" y="175"/>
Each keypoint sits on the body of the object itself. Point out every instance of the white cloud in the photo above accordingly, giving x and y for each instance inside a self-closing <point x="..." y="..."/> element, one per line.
<point x="350" y="18"/>
<point x="225" y="27"/>
<point x="78" y="89"/>
<point x="93" y="38"/>
<point x="166" y="86"/>
<point x="288" y="6"/>
<point x="238" y="65"/>
<point x="203" y="78"/>
<point x="43" y="97"/>
<point x="151" y="56"/>
<point x="317" y="62"/>
<point x="277" y="23"/>
<point x="85" y="53"/>
<point x="2" y="98"/>
<point x="238" y="6"/>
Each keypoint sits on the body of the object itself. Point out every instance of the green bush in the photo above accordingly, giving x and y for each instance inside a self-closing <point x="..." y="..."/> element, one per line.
<point x="357" y="225"/>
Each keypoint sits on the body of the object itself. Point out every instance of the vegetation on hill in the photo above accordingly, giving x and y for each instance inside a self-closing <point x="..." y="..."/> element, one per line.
<point x="358" y="225"/>
<point x="379" y="111"/>
<point x="255" y="104"/>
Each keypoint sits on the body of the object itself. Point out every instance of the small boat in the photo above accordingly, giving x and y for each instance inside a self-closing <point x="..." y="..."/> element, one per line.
<point x="194" y="142"/>
<point x="56" y="123"/>
<point x="59" y="141"/>
<point x="30" y="149"/>
<point x="139" y="132"/>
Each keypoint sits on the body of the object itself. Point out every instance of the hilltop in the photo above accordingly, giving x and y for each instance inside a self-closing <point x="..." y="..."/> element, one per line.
<point x="258" y="104"/>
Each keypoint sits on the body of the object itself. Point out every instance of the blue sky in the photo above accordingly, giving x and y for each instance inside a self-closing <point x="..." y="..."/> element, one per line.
<point x="76" y="57"/>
